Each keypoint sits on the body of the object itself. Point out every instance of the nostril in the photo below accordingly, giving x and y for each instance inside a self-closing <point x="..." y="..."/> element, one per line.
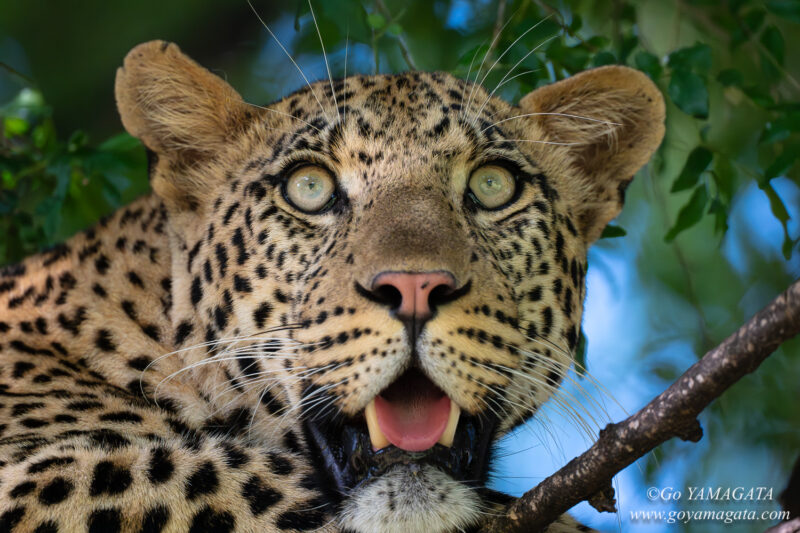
<point x="440" y="295"/>
<point x="388" y="295"/>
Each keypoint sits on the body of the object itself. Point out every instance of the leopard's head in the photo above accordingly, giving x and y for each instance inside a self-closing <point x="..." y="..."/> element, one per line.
<point x="387" y="272"/>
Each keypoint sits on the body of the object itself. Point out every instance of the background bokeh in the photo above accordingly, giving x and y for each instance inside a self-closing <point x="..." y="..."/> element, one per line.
<point x="708" y="236"/>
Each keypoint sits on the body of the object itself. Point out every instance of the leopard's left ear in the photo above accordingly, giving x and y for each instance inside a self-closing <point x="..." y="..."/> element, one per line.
<point x="622" y="125"/>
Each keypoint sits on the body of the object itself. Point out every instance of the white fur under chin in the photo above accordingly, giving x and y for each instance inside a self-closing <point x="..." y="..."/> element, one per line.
<point x="411" y="499"/>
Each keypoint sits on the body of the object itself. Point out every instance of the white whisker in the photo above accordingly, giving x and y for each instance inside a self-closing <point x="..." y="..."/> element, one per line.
<point x="308" y="83"/>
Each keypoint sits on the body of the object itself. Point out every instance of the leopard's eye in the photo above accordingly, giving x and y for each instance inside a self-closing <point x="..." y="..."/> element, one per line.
<point x="492" y="186"/>
<point x="311" y="189"/>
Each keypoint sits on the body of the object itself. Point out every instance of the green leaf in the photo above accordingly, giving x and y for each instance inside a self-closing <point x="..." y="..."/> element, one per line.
<point x="759" y="95"/>
<point x="649" y="64"/>
<point x="8" y="179"/>
<point x="376" y="21"/>
<point x="720" y="212"/>
<point x="695" y="58"/>
<point x="730" y="76"/>
<point x="15" y="126"/>
<point x="780" y="165"/>
<point x="696" y="164"/>
<point x="394" y="29"/>
<point x="724" y="176"/>
<point x="688" y="91"/>
<point x="611" y="232"/>
<point x="788" y="9"/>
<point x="604" y="58"/>
<point x="77" y="140"/>
<point x="773" y="41"/>
<point x="627" y="46"/>
<point x="576" y="24"/>
<point x="779" y="211"/>
<point x="598" y="41"/>
<point x="690" y="214"/>
<point x="580" y="354"/>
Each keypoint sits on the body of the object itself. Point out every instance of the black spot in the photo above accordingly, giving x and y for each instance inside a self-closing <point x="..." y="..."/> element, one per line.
<point x="139" y="363"/>
<point x="259" y="496"/>
<point x="203" y="481"/>
<point x="101" y="264"/>
<point x="184" y="330"/>
<point x="103" y="341"/>
<point x="23" y="489"/>
<point x="155" y="519"/>
<point x="302" y="519"/>
<point x="280" y="465"/>
<point x="161" y="466"/>
<point x="56" y="491"/>
<point x="109" y="479"/>
<point x="47" y="526"/>
<point x="134" y="278"/>
<point x="261" y="314"/>
<point x="207" y="520"/>
<point x="222" y="259"/>
<point x="241" y="284"/>
<point x="197" y="290"/>
<point x="33" y="423"/>
<point x="105" y="521"/>
<point x="21" y="367"/>
<point x="48" y="463"/>
<point x="11" y="518"/>
<point x="234" y="457"/>
<point x="121" y="416"/>
<point x="108" y="439"/>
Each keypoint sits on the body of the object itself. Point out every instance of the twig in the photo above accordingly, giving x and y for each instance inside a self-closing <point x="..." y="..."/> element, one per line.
<point x="401" y="41"/>
<point x="498" y="27"/>
<point x="673" y="413"/>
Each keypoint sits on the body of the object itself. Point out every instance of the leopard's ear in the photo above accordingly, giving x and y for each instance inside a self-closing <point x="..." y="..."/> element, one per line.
<point x="611" y="120"/>
<point x="180" y="111"/>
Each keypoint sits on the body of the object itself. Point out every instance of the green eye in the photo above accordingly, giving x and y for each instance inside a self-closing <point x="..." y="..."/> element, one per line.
<point x="492" y="186"/>
<point x="310" y="188"/>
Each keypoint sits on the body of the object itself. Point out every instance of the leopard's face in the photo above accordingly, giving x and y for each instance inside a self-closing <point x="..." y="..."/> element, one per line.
<point x="388" y="272"/>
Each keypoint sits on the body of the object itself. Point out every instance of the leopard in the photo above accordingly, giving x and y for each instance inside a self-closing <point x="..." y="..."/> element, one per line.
<point x="326" y="312"/>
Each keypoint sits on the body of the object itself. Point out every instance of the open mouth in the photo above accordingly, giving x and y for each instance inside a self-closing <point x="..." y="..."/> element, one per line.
<point x="411" y="422"/>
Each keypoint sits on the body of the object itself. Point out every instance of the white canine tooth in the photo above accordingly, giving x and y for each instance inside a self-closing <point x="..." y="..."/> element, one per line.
<point x="376" y="436"/>
<point x="452" y="423"/>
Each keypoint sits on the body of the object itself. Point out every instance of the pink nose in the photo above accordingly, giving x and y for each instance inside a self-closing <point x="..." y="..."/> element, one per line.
<point x="415" y="290"/>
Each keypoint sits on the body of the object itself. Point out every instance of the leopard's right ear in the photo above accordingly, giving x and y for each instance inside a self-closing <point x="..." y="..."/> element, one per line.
<point x="180" y="111"/>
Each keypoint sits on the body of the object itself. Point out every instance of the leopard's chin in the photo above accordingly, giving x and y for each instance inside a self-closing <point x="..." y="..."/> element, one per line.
<point x="411" y="498"/>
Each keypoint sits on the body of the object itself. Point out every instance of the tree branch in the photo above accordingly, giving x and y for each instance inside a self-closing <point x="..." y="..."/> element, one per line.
<point x="401" y="41"/>
<point x="673" y="413"/>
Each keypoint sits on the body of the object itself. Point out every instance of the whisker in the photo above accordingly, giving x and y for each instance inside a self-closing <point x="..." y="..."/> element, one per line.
<point x="518" y="63"/>
<point x="557" y="114"/>
<point x="483" y="61"/>
<point x="285" y="115"/>
<point x="308" y="83"/>
<point x="325" y="57"/>
<point x="533" y="141"/>
<point x="505" y="52"/>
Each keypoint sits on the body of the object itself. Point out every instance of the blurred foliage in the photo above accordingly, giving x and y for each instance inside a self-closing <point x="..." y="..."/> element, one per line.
<point x="51" y="188"/>
<point x="733" y="139"/>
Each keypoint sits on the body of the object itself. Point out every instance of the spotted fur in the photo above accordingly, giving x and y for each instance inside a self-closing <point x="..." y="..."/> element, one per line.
<point x="155" y="370"/>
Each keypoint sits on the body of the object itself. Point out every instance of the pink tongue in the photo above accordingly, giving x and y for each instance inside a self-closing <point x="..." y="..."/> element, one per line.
<point x="413" y="426"/>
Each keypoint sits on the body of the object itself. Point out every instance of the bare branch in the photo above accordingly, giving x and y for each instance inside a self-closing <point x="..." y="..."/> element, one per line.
<point x="673" y="413"/>
<point x="401" y="41"/>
